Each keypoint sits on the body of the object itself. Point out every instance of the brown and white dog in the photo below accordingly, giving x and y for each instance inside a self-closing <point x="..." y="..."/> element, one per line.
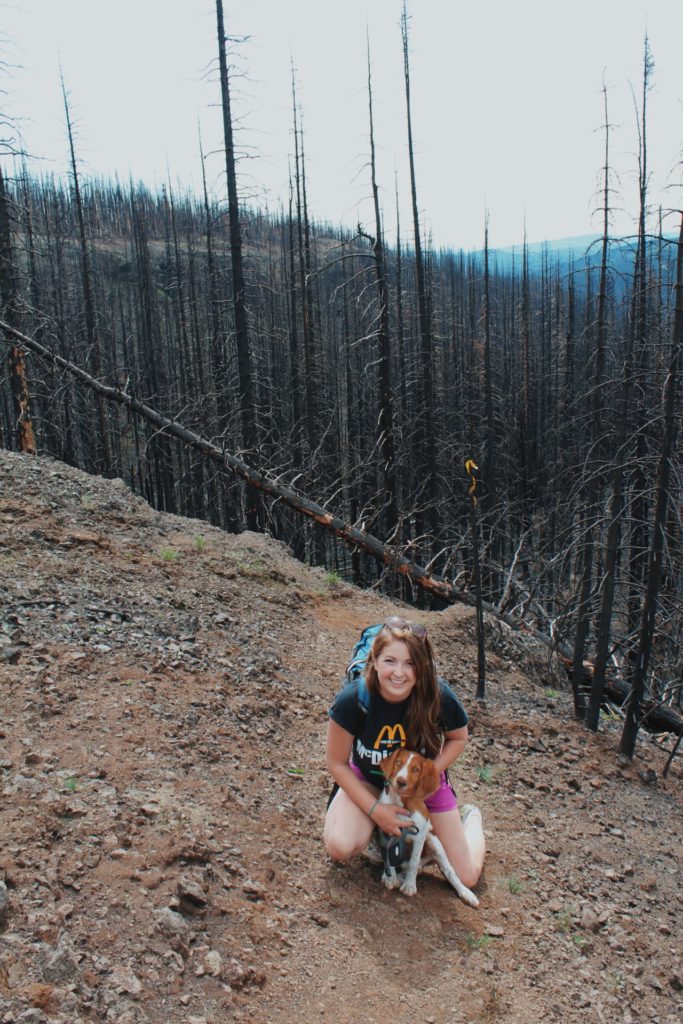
<point x="409" y="778"/>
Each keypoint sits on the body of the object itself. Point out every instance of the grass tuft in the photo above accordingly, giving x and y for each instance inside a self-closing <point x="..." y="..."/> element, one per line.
<point x="476" y="943"/>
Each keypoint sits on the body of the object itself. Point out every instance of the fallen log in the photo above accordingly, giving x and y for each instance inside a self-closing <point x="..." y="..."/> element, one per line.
<point x="657" y="717"/>
<point x="385" y="553"/>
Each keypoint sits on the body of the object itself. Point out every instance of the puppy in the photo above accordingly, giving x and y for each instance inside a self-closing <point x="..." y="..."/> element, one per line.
<point x="409" y="778"/>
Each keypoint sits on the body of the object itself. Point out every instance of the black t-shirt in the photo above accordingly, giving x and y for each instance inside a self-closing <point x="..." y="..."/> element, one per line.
<point x="379" y="730"/>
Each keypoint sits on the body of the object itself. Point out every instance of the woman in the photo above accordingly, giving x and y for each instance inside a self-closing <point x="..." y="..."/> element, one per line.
<point x="408" y="706"/>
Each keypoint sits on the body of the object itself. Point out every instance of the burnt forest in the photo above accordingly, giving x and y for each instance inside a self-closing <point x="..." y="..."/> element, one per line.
<point x="439" y="425"/>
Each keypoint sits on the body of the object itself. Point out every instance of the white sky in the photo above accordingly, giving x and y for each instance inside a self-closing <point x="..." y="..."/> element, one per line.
<point x="507" y="102"/>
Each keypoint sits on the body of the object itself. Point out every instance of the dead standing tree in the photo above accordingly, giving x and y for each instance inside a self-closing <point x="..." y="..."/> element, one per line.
<point x="643" y="651"/>
<point x="389" y="516"/>
<point x="427" y="441"/>
<point x="635" y="338"/>
<point x="595" y="471"/>
<point x="254" y="512"/>
<point x="23" y="431"/>
<point x="105" y="457"/>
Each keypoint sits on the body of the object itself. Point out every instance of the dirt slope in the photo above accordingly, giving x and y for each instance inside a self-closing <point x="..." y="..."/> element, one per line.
<point x="159" y="679"/>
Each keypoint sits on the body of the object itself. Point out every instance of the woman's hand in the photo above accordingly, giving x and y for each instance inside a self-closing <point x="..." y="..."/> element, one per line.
<point x="391" y="819"/>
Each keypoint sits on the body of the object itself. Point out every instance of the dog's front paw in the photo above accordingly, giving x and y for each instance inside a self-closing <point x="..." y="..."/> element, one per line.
<point x="408" y="887"/>
<point x="391" y="881"/>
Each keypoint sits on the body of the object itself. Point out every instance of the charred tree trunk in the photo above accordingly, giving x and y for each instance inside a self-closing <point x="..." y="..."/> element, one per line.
<point x="9" y="302"/>
<point x="490" y="579"/>
<point x="639" y="542"/>
<point x="643" y="651"/>
<point x="426" y="440"/>
<point x="105" y="459"/>
<point x="388" y="504"/>
<point x="254" y="512"/>
<point x="624" y="420"/>
<point x="594" y="462"/>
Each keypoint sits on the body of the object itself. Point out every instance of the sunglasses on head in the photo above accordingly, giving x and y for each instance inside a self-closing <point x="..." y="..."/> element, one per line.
<point x="398" y="625"/>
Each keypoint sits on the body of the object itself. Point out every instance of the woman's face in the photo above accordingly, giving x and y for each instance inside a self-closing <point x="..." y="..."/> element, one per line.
<point x="395" y="671"/>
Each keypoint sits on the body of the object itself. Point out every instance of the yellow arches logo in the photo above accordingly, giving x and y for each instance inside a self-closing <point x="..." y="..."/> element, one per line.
<point x="390" y="734"/>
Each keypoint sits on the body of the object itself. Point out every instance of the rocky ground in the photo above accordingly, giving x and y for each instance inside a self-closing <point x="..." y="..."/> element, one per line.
<point x="162" y="784"/>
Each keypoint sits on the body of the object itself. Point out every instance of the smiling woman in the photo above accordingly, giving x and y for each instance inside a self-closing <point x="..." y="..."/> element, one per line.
<point x="409" y="706"/>
<point x="395" y="671"/>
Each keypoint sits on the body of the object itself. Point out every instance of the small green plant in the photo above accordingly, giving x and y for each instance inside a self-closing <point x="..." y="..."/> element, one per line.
<point x="246" y="566"/>
<point x="71" y="785"/>
<point x="199" y="543"/>
<point x="514" y="885"/>
<point x="578" y="939"/>
<point x="475" y="943"/>
<point x="332" y="577"/>
<point x="485" y="773"/>
<point x="563" y="920"/>
<point x="552" y="694"/>
<point x="169" y="555"/>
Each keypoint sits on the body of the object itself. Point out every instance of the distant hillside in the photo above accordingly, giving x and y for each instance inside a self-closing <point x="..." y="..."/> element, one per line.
<point x="579" y="252"/>
<point x="563" y="248"/>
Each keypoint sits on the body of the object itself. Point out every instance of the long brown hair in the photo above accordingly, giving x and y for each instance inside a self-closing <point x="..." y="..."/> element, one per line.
<point x="424" y="708"/>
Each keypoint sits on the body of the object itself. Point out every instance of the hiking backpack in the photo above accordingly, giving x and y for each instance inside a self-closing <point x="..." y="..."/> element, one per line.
<point x="355" y="672"/>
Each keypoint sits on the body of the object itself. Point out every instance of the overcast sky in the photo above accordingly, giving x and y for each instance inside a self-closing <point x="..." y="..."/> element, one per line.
<point x="507" y="102"/>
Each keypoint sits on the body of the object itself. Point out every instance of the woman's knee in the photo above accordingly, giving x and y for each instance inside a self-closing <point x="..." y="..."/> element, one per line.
<point x="470" y="875"/>
<point x="344" y="838"/>
<point x="339" y="848"/>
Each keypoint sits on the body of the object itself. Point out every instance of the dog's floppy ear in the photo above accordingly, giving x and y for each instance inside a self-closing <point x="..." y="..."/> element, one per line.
<point x="387" y="764"/>
<point x="429" y="780"/>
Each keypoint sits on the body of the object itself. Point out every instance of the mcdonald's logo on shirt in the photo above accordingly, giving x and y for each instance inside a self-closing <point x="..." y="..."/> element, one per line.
<point x="390" y="735"/>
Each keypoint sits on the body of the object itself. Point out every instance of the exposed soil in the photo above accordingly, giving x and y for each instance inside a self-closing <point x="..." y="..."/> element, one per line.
<point x="163" y="863"/>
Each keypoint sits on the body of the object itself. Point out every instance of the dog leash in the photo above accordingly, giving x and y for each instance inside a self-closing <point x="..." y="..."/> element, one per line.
<point x="394" y="847"/>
